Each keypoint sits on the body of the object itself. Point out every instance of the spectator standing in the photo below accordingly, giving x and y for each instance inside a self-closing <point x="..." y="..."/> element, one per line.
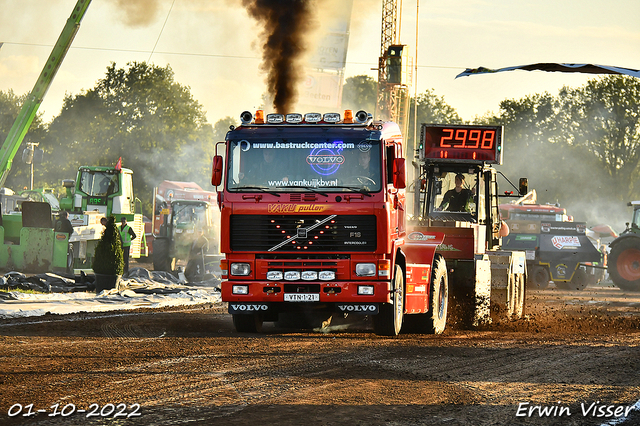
<point x="126" y="235"/>
<point x="63" y="224"/>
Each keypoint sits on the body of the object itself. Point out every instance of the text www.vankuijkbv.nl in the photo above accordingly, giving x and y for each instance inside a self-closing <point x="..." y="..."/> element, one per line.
<point x="314" y="183"/>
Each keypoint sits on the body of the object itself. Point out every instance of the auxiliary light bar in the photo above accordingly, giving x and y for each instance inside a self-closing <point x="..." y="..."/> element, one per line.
<point x="360" y="117"/>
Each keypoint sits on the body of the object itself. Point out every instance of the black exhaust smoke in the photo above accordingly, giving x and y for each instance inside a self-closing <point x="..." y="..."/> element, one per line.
<point x="286" y="23"/>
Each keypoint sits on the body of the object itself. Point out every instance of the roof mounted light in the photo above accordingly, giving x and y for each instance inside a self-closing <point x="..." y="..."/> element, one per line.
<point x="348" y="116"/>
<point x="331" y="117"/>
<point x="363" y="117"/>
<point x="312" y="117"/>
<point x="246" y="117"/>
<point x="293" y="118"/>
<point x="275" y="118"/>
<point x="259" y="117"/>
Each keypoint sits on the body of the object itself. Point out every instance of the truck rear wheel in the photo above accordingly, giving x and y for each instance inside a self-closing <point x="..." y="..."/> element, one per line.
<point x="624" y="264"/>
<point x="539" y="278"/>
<point x="388" y="321"/>
<point x="438" y="298"/>
<point x="247" y="323"/>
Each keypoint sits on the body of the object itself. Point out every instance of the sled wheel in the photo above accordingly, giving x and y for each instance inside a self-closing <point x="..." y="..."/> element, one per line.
<point x="539" y="278"/>
<point x="579" y="280"/>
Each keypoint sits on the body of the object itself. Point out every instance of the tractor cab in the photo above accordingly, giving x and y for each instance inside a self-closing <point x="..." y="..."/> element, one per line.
<point x="634" y="226"/>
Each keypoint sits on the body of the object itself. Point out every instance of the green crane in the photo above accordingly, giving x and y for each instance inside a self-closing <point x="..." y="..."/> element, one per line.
<point x="32" y="103"/>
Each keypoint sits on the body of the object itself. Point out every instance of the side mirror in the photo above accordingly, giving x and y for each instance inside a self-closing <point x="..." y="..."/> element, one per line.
<point x="216" y="170"/>
<point x="399" y="173"/>
<point x="523" y="186"/>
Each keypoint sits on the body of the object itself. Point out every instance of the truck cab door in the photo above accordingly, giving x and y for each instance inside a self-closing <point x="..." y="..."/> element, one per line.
<point x="396" y="195"/>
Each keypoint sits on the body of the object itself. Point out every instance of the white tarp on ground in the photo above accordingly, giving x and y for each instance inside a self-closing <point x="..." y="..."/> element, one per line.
<point x="143" y="290"/>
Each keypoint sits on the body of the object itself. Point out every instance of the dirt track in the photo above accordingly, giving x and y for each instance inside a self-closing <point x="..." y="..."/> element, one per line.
<point x="190" y="367"/>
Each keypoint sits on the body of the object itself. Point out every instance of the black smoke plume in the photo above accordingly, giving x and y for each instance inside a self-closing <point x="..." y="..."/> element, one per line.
<point x="286" y="23"/>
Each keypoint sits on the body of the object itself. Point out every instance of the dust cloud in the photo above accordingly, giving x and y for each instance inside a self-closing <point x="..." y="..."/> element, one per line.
<point x="569" y="176"/>
<point x="138" y="13"/>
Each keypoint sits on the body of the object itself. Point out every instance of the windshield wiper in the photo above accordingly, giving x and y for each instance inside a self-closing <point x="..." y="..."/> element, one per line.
<point x="355" y="189"/>
<point x="259" y="188"/>
<point x="311" y="188"/>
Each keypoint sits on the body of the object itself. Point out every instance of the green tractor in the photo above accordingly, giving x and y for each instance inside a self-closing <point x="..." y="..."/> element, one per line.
<point x="624" y="254"/>
<point x="187" y="233"/>
<point x="100" y="191"/>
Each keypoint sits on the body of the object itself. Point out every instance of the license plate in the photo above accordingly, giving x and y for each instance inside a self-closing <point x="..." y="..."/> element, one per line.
<point x="301" y="297"/>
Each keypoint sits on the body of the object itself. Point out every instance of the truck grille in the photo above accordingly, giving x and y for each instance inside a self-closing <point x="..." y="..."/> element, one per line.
<point x="347" y="233"/>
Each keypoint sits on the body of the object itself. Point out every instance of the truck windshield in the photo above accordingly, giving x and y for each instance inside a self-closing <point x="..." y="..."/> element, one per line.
<point x="300" y="165"/>
<point x="98" y="183"/>
<point x="636" y="217"/>
<point x="453" y="197"/>
<point x="189" y="215"/>
<point x="52" y="200"/>
<point x="553" y="217"/>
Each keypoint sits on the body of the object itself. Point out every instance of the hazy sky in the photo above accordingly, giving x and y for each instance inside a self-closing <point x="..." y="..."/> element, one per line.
<point x="212" y="46"/>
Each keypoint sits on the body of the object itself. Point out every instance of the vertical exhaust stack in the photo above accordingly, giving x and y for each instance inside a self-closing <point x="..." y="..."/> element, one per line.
<point x="286" y="23"/>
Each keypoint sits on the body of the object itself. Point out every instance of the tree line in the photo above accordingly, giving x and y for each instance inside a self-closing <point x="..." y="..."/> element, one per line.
<point x="579" y="148"/>
<point x="138" y="113"/>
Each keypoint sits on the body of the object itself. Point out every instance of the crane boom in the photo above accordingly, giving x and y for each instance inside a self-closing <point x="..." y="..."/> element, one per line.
<point x="32" y="102"/>
<point x="389" y="25"/>
<point x="393" y="93"/>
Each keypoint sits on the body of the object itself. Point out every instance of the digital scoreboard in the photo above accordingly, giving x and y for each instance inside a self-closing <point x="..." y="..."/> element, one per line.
<point x="461" y="143"/>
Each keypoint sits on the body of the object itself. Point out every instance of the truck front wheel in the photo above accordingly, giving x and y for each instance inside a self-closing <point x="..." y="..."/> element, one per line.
<point x="624" y="264"/>
<point x="247" y="323"/>
<point x="388" y="322"/>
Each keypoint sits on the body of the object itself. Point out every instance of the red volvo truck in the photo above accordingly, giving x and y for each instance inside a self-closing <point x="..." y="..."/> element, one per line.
<point x="313" y="219"/>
